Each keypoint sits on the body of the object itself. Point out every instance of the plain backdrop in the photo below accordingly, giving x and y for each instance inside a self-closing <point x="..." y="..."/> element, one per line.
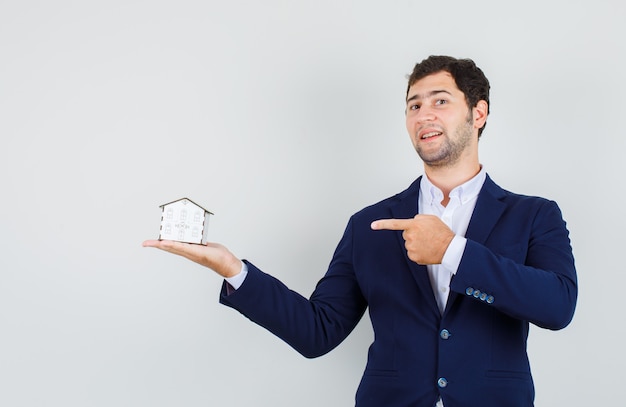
<point x="283" y="118"/>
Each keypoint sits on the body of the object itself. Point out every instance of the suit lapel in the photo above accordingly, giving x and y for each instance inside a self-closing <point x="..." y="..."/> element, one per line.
<point x="406" y="209"/>
<point x="489" y="208"/>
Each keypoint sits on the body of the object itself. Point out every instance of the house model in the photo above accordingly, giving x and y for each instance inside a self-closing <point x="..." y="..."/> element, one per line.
<point x="184" y="221"/>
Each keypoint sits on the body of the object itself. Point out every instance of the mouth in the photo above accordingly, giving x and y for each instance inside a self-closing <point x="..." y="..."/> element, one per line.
<point x="428" y="134"/>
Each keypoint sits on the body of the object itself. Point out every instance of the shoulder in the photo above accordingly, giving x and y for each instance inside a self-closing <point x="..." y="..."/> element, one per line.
<point x="515" y="201"/>
<point x="402" y="202"/>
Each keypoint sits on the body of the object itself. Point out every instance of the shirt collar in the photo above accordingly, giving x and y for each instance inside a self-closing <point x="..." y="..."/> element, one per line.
<point x="464" y="192"/>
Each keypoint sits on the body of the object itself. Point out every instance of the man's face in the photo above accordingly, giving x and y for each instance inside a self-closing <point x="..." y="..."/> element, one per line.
<point x="439" y="121"/>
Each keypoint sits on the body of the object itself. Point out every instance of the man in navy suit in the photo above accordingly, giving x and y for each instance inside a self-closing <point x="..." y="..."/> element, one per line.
<point x="452" y="270"/>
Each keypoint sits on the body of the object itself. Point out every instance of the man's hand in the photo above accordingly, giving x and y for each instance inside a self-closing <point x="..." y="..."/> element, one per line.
<point x="426" y="237"/>
<point x="212" y="255"/>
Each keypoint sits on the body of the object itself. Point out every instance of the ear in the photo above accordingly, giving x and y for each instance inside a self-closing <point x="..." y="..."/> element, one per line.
<point x="480" y="112"/>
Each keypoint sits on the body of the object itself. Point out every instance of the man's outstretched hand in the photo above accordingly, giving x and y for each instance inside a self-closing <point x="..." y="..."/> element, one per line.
<point x="212" y="255"/>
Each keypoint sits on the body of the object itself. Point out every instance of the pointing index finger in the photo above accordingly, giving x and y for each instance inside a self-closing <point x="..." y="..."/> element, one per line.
<point x="391" y="224"/>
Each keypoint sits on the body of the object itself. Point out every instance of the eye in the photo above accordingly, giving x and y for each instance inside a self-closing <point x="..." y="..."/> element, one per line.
<point x="441" y="102"/>
<point x="414" y="107"/>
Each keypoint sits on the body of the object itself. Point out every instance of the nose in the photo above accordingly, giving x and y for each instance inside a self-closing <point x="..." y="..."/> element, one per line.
<point x="424" y="115"/>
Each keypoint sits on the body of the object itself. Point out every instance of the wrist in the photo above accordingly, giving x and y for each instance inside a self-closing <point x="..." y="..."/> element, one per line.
<point x="233" y="268"/>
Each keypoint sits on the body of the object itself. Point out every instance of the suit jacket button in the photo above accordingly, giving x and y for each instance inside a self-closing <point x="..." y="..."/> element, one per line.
<point x="483" y="296"/>
<point x="469" y="291"/>
<point x="442" y="382"/>
<point x="490" y="299"/>
<point x="476" y="293"/>
<point x="444" y="334"/>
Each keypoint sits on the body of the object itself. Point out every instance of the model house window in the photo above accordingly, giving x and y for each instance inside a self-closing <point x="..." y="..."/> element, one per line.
<point x="169" y="214"/>
<point x="183" y="215"/>
<point x="197" y="217"/>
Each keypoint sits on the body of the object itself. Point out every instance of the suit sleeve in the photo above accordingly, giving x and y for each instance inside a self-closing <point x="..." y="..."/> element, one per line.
<point x="311" y="326"/>
<point x="536" y="282"/>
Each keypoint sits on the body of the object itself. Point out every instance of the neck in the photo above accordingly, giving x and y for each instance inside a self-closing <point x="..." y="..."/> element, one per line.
<point x="447" y="178"/>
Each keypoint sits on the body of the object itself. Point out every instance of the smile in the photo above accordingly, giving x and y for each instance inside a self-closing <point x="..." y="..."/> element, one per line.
<point x="430" y="134"/>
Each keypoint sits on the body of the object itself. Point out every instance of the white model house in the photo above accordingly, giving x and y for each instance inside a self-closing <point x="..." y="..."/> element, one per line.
<point x="184" y="221"/>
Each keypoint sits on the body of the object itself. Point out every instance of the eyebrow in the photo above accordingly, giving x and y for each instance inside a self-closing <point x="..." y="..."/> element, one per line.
<point x="427" y="95"/>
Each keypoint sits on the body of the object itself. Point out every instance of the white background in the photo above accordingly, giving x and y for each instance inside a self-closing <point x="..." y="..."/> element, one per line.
<point x="282" y="118"/>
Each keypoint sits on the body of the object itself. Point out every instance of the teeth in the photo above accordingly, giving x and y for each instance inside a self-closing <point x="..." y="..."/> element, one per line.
<point x="431" y="134"/>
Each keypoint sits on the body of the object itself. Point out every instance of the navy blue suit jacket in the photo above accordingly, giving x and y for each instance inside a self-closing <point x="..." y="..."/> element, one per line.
<point x="517" y="268"/>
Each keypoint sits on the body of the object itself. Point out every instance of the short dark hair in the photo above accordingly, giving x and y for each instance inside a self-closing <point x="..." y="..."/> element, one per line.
<point x="469" y="78"/>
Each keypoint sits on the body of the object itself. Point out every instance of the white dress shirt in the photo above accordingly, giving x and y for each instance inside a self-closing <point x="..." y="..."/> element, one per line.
<point x="456" y="215"/>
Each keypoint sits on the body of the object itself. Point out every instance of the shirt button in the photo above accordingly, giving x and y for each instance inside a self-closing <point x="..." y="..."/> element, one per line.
<point x="442" y="382"/>
<point x="444" y="334"/>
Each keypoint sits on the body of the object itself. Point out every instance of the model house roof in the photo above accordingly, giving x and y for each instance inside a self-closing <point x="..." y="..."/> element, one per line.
<point x="187" y="199"/>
